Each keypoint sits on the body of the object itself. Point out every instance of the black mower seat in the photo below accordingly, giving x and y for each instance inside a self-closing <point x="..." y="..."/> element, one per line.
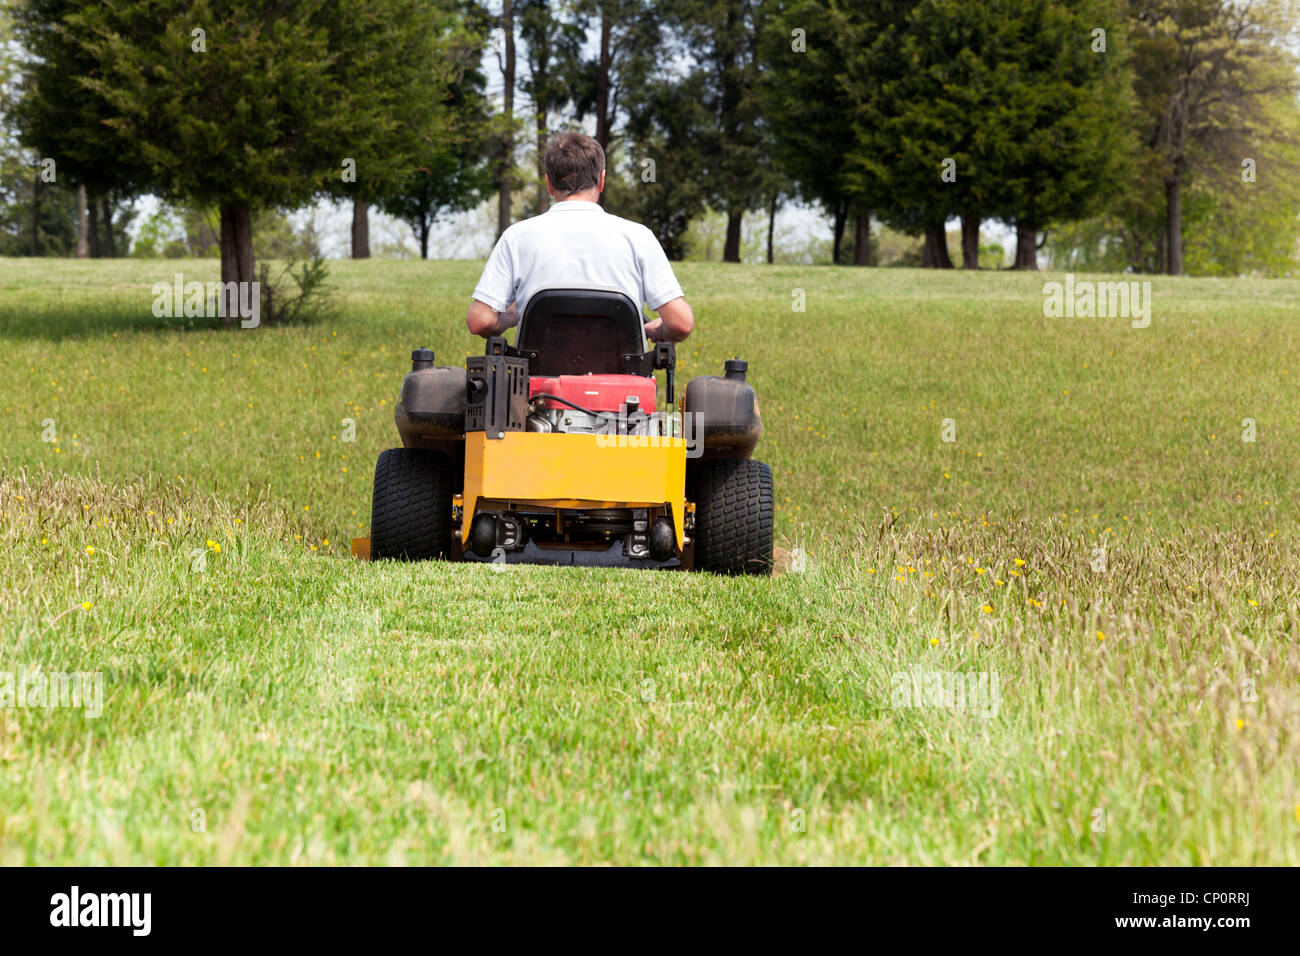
<point x="577" y="331"/>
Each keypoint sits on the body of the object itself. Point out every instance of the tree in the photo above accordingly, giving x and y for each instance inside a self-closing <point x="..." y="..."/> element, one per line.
<point x="454" y="171"/>
<point x="717" y="41"/>
<point x="505" y="170"/>
<point x="388" y="153"/>
<point x="625" y="55"/>
<point x="36" y="218"/>
<point x="1206" y="72"/>
<point x="237" y="106"/>
<point x="1068" y="150"/>
<point x="1238" y="214"/>
<point x="657" y="177"/>
<point x="998" y="109"/>
<point x="56" y="120"/>
<point x="554" y="53"/>
<point x="904" y="139"/>
<point x="806" y="97"/>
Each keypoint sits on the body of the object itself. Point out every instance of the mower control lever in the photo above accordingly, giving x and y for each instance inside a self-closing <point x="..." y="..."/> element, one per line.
<point x="666" y="359"/>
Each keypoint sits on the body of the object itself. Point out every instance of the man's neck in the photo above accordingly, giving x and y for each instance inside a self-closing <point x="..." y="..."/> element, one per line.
<point x="588" y="195"/>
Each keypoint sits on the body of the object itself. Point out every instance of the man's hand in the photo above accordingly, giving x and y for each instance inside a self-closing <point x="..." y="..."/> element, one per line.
<point x="675" y="322"/>
<point x="482" y="319"/>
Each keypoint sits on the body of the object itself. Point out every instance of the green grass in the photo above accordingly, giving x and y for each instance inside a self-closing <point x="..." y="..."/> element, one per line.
<point x="321" y="710"/>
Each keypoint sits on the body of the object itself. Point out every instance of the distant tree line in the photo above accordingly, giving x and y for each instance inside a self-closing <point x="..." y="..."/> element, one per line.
<point x="1151" y="135"/>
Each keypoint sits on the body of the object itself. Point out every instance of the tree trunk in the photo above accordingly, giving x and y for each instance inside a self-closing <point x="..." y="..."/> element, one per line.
<point x="92" y="229"/>
<point x="543" y="198"/>
<point x="1026" y="246"/>
<point x="506" y="163"/>
<point x="970" y="242"/>
<point x="934" y="253"/>
<point x="36" y="214"/>
<point x="360" y="229"/>
<point x="425" y="229"/>
<point x="862" y="238"/>
<point x="110" y="244"/>
<point x="731" y="251"/>
<point x="1174" y="225"/>
<point x="229" y="254"/>
<point x="236" y="252"/>
<point x="837" y="231"/>
<point x="83" y="246"/>
<point x="771" y="226"/>
<point x="602" y="83"/>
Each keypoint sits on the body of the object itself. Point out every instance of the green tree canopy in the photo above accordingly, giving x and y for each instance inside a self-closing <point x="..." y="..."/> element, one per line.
<point x="238" y="105"/>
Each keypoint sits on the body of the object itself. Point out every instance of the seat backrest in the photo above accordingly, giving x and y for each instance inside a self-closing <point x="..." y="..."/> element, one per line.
<point x="576" y="331"/>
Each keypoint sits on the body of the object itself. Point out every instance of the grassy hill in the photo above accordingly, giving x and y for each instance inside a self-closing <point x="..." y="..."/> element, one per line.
<point x="1099" y="545"/>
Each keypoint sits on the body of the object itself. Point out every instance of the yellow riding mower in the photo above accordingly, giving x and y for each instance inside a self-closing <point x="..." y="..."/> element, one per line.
<point x="552" y="452"/>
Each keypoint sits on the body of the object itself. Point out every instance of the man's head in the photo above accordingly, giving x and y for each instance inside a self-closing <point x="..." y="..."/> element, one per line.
<point x="575" y="167"/>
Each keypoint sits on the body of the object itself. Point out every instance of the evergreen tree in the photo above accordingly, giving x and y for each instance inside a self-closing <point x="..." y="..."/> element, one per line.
<point x="239" y="105"/>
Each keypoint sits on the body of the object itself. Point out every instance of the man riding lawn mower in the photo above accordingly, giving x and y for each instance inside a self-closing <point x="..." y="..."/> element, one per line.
<point x="551" y="451"/>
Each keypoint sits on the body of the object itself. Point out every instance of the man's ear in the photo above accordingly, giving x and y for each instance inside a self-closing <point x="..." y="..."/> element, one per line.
<point x="549" y="188"/>
<point x="600" y="186"/>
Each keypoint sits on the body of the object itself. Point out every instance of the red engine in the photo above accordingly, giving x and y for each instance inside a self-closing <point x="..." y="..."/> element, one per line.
<point x="596" y="393"/>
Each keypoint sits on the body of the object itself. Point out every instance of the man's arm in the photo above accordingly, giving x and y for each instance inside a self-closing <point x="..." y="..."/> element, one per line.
<point x="482" y="319"/>
<point x="493" y="308"/>
<point x="675" y="322"/>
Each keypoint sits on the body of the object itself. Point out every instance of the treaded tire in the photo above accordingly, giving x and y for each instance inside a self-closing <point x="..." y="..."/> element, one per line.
<point x="410" y="515"/>
<point x="733" y="517"/>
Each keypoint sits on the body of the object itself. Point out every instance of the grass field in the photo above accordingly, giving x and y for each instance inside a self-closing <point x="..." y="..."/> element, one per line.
<point x="1099" y="541"/>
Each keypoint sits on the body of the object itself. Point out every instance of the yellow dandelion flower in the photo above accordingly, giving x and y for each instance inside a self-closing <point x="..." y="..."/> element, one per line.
<point x="934" y="642"/>
<point x="1020" y="563"/>
<point x="1241" y="724"/>
<point x="87" y="605"/>
<point x="987" y="609"/>
<point x="1101" y="636"/>
<point x="90" y="550"/>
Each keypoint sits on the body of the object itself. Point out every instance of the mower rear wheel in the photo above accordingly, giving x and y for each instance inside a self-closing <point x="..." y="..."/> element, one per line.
<point x="410" y="516"/>
<point x="733" y="517"/>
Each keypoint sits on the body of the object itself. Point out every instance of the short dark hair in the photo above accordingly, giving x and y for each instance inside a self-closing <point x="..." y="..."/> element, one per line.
<point x="573" y="162"/>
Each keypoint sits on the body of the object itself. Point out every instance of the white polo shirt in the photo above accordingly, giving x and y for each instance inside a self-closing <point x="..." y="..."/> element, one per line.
<point x="576" y="245"/>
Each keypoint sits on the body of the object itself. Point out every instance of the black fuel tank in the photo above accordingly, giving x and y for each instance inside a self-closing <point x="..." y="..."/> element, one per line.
<point x="432" y="406"/>
<point x="729" y="408"/>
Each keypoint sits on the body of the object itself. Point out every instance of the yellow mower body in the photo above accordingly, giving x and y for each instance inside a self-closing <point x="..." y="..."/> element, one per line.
<point x="574" y="471"/>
